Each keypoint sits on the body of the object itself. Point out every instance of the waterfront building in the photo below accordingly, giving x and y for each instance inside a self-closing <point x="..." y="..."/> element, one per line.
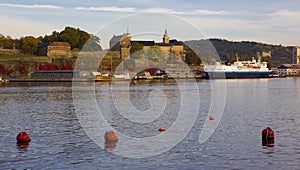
<point x="55" y="74"/>
<point x="296" y="55"/>
<point x="289" y="69"/>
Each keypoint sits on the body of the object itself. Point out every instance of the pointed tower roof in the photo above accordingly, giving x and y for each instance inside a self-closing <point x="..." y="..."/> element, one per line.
<point x="166" y="32"/>
<point x="166" y="37"/>
<point x="128" y="33"/>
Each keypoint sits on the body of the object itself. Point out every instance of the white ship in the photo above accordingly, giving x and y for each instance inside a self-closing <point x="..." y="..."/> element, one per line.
<point x="239" y="69"/>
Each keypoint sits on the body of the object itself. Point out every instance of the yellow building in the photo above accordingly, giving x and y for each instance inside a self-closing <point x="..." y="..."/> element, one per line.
<point x="296" y="55"/>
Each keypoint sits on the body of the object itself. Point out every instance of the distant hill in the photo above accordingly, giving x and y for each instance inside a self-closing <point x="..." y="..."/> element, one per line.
<point x="227" y="50"/>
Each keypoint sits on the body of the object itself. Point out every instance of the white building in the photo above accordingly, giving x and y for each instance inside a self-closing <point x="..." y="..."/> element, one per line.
<point x="289" y="69"/>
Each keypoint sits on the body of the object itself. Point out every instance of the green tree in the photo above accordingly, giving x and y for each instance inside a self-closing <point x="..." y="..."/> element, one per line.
<point x="6" y="42"/>
<point x="17" y="43"/>
<point x="136" y="49"/>
<point x="92" y="44"/>
<point x="191" y="56"/>
<point x="71" y="36"/>
<point x="29" y="44"/>
<point x="54" y="36"/>
<point x="135" y="46"/>
<point x="156" y="53"/>
<point x="83" y="38"/>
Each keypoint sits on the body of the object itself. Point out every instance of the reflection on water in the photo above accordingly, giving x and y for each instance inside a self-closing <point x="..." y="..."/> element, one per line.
<point x="23" y="147"/>
<point x="46" y="112"/>
<point x="111" y="145"/>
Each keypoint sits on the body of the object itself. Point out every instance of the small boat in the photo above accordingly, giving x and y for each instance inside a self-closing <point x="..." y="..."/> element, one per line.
<point x="122" y="76"/>
<point x="3" y="80"/>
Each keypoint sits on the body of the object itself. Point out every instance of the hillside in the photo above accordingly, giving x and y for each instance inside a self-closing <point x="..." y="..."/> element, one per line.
<point x="76" y="37"/>
<point x="227" y="50"/>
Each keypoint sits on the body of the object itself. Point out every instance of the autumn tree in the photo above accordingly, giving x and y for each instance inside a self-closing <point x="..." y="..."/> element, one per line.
<point x="156" y="53"/>
<point x="29" y="44"/>
<point x="136" y="49"/>
<point x="136" y="46"/>
<point x="76" y="38"/>
<point x="6" y="42"/>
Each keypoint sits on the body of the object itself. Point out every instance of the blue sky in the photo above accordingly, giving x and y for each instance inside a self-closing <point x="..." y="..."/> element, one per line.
<point x="276" y="21"/>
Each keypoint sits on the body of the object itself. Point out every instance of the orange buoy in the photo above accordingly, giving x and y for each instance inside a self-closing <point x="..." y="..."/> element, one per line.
<point x="161" y="129"/>
<point x="23" y="137"/>
<point x="211" y="117"/>
<point x="268" y="136"/>
<point x="110" y="136"/>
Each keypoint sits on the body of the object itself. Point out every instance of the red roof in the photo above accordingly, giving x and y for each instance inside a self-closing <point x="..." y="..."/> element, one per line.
<point x="289" y="66"/>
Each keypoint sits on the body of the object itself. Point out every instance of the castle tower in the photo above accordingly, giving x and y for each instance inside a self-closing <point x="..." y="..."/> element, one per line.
<point x="128" y="34"/>
<point x="166" y="39"/>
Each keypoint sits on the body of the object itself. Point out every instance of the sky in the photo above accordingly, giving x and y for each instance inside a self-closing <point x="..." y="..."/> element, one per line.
<point x="266" y="21"/>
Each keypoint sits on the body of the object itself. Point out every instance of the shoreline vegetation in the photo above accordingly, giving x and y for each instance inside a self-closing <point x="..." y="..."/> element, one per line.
<point x="20" y="58"/>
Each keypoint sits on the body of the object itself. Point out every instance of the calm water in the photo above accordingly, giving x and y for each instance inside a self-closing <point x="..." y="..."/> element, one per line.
<point x="47" y="113"/>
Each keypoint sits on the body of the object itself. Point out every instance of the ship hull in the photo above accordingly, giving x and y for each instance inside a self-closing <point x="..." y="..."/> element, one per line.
<point x="236" y="75"/>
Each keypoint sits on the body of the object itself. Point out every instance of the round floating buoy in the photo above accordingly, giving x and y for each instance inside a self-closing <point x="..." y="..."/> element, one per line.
<point x="267" y="134"/>
<point x="211" y="117"/>
<point x="110" y="136"/>
<point x="267" y="137"/>
<point x="23" y="137"/>
<point x="161" y="129"/>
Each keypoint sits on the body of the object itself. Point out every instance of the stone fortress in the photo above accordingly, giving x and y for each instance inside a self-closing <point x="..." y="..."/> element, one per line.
<point x="158" y="57"/>
<point x="123" y="43"/>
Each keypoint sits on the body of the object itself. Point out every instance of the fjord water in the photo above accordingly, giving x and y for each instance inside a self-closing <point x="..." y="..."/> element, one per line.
<point x="47" y="113"/>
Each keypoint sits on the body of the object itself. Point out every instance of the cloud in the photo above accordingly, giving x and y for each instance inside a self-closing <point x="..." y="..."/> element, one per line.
<point x="285" y="13"/>
<point x="160" y="11"/>
<point x="108" y="9"/>
<point x="284" y="21"/>
<point x="34" y="6"/>
<point x="208" y="12"/>
<point x="157" y="10"/>
<point x="279" y="27"/>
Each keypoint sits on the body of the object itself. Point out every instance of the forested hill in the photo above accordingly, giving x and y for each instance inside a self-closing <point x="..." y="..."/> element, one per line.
<point x="31" y="45"/>
<point x="227" y="50"/>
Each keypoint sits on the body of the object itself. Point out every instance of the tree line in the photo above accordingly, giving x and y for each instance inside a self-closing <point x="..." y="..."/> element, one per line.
<point x="78" y="39"/>
<point x="227" y="51"/>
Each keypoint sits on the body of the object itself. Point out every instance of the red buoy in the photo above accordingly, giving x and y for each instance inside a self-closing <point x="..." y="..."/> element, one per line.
<point x="110" y="136"/>
<point x="267" y="134"/>
<point x="161" y="129"/>
<point x="268" y="137"/>
<point x="23" y="137"/>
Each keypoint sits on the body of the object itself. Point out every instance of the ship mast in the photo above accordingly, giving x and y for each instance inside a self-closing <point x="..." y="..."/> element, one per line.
<point x="236" y="57"/>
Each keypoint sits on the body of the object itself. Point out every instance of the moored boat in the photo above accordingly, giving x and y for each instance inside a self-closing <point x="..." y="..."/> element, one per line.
<point x="239" y="69"/>
<point x="122" y="76"/>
